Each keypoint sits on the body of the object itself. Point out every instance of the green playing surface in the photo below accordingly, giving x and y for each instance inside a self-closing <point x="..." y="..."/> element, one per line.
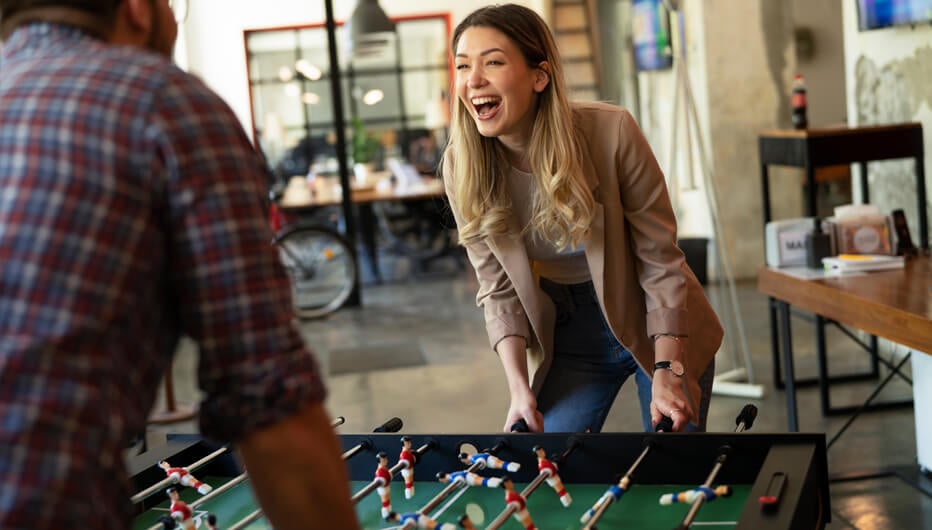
<point x="638" y="508"/>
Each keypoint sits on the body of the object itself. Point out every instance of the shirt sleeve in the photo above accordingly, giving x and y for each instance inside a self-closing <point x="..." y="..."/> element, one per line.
<point x="652" y="223"/>
<point x="231" y="293"/>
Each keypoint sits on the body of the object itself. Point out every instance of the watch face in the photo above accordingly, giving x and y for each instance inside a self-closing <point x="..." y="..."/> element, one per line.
<point x="677" y="368"/>
<point x="674" y="366"/>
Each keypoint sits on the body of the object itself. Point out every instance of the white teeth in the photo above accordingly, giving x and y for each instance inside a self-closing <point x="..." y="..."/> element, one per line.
<point x="483" y="100"/>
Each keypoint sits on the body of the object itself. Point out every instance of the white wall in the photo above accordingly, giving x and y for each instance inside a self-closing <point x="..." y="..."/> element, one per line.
<point x="824" y="72"/>
<point x="889" y="80"/>
<point x="214" y="34"/>
<point x="658" y="92"/>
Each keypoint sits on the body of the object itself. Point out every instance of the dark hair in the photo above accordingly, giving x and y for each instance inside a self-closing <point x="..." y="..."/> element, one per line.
<point x="211" y="518"/>
<point x="522" y="25"/>
<point x="14" y="13"/>
<point x="104" y="8"/>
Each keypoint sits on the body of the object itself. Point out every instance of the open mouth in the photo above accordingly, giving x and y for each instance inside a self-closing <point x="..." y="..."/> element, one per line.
<point x="486" y="106"/>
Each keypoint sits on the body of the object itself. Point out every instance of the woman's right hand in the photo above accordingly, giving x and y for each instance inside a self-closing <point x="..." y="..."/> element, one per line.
<point x="524" y="406"/>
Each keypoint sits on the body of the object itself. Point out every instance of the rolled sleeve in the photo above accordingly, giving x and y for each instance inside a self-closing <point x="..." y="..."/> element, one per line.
<point x="652" y="223"/>
<point x="232" y="292"/>
<point x="250" y="396"/>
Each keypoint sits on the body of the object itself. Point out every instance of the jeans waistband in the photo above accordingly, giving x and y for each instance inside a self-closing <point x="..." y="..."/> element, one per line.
<point x="563" y="292"/>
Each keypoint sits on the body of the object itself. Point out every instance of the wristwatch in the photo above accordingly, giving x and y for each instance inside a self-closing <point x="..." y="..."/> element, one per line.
<point x="674" y="366"/>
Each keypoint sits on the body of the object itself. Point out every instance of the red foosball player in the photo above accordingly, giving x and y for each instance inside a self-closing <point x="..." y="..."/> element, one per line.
<point x="553" y="478"/>
<point x="179" y="510"/>
<point x="513" y="498"/>
<point x="486" y="460"/>
<point x="384" y="476"/>
<point x="181" y="475"/>
<point x="417" y="520"/>
<point x="471" y="479"/>
<point x="407" y="471"/>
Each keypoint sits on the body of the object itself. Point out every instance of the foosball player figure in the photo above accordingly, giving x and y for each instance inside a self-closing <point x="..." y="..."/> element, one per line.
<point x="212" y="522"/>
<point x="486" y="460"/>
<point x="179" y="510"/>
<point x="417" y="520"/>
<point x="466" y="523"/>
<point x="612" y="494"/>
<point x="384" y="476"/>
<point x="553" y="478"/>
<point x="689" y="496"/>
<point x="407" y="471"/>
<point x="513" y="498"/>
<point x="471" y="479"/>
<point x="181" y="475"/>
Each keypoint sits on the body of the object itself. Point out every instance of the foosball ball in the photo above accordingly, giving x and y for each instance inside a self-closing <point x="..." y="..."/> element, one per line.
<point x="645" y="481"/>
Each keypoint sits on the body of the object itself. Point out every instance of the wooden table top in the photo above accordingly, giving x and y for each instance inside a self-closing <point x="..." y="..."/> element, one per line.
<point x="328" y="192"/>
<point x="894" y="304"/>
<point x="837" y="130"/>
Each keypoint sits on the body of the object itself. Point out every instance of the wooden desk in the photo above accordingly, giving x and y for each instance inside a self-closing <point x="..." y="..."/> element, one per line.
<point x="896" y="305"/>
<point x="823" y="147"/>
<point x="328" y="192"/>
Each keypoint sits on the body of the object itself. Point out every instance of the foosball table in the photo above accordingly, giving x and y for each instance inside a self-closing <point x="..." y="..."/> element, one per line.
<point x="641" y="481"/>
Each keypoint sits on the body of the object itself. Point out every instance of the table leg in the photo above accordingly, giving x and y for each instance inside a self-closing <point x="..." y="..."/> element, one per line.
<point x="865" y="185"/>
<point x="368" y="225"/>
<point x="921" y="198"/>
<point x="812" y="194"/>
<point x="789" y="371"/>
<point x="822" y="356"/>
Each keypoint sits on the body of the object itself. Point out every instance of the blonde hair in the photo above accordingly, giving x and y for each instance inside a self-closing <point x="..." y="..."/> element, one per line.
<point x="563" y="210"/>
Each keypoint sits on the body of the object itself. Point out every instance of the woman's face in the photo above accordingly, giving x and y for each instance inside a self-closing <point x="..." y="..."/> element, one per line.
<point x="494" y="81"/>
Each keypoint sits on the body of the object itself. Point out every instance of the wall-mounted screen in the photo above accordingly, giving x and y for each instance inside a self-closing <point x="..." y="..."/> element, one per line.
<point x="651" y="35"/>
<point x="873" y="14"/>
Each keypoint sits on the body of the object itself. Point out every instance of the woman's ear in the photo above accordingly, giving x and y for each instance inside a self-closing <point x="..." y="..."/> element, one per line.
<point x="543" y="77"/>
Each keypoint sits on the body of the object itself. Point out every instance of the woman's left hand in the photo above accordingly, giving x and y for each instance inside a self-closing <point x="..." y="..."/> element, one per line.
<point x="668" y="398"/>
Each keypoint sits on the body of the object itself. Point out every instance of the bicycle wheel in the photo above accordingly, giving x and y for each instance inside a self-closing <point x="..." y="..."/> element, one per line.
<point x="321" y="267"/>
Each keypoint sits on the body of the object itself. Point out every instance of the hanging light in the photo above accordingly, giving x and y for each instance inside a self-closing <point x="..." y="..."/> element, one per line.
<point x="370" y="30"/>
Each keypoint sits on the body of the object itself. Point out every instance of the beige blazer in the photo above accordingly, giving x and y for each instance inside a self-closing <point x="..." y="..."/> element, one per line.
<point x="641" y="278"/>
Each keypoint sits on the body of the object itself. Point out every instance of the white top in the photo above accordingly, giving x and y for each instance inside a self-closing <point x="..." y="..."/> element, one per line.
<point x="567" y="266"/>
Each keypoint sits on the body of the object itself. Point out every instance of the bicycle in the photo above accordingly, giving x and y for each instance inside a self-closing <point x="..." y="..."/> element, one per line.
<point x="319" y="261"/>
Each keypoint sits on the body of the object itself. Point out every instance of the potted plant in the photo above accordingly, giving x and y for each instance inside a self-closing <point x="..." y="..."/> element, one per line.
<point x="364" y="148"/>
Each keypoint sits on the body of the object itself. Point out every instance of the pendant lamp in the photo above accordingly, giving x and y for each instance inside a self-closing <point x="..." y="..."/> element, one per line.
<point x="370" y="30"/>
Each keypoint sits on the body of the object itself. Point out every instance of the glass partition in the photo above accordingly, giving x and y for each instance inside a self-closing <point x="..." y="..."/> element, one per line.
<point x="399" y="96"/>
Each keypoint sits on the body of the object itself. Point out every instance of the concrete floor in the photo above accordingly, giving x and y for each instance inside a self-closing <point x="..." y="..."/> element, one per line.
<point x="438" y="374"/>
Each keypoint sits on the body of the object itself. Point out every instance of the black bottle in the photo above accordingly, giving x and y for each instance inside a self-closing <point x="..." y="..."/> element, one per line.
<point x="818" y="246"/>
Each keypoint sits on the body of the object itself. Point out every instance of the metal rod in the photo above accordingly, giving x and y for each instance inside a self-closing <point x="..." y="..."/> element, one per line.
<point x="445" y="492"/>
<point x="251" y="518"/>
<point x="168" y="481"/>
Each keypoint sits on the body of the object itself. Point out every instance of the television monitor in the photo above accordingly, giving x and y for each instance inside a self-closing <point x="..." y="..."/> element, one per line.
<point x="651" y="35"/>
<point x="874" y="14"/>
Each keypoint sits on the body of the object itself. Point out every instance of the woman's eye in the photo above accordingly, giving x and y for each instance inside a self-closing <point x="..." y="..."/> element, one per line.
<point x="462" y="66"/>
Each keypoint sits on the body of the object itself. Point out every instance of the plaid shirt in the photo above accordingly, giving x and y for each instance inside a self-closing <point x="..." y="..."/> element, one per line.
<point x="132" y="210"/>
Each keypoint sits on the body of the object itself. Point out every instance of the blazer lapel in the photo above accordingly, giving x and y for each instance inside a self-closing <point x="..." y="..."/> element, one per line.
<point x="595" y="245"/>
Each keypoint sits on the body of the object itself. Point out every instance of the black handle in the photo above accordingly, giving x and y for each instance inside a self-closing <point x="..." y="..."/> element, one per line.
<point x="664" y="425"/>
<point x="747" y="416"/>
<point x="520" y="426"/>
<point x="393" y="425"/>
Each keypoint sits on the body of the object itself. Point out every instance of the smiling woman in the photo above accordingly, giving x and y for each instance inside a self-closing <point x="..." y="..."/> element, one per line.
<point x="565" y="216"/>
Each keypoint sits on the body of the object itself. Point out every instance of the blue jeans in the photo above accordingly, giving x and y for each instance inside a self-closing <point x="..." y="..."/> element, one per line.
<point x="590" y="365"/>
